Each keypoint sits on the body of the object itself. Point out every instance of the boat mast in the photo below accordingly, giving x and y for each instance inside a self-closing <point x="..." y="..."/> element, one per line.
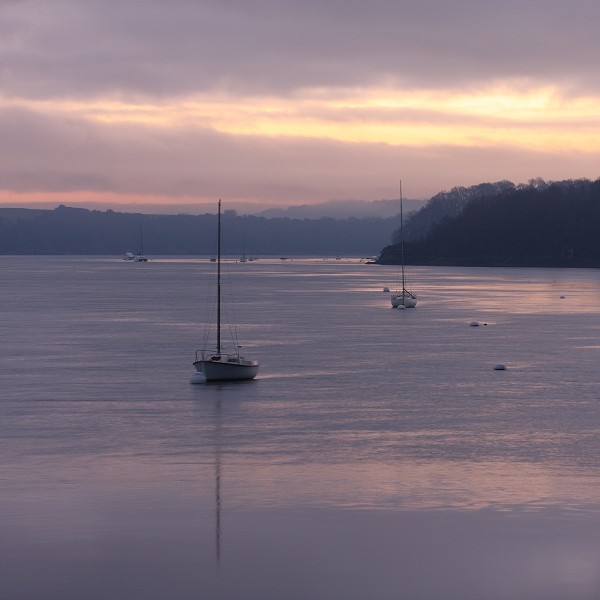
<point x="219" y="280"/>
<point x="401" y="239"/>
<point x="141" y="242"/>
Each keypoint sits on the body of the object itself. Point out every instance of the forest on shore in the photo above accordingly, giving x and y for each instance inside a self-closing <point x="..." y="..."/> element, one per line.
<point x="67" y="230"/>
<point x="539" y="224"/>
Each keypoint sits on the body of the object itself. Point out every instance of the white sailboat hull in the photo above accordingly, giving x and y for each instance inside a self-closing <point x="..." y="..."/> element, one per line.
<point x="405" y="300"/>
<point x="226" y="367"/>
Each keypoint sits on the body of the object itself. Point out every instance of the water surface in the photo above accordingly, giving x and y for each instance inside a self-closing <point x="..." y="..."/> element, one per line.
<point x="378" y="454"/>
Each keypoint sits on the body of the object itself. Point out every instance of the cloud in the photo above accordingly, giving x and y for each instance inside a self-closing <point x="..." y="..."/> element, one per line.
<point x="73" y="155"/>
<point x="293" y="101"/>
<point x="167" y="49"/>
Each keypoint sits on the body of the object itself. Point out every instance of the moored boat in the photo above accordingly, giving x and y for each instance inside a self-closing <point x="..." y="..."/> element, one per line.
<point x="213" y="363"/>
<point x="402" y="298"/>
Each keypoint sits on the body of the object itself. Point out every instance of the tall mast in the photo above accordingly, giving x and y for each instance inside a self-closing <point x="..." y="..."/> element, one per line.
<point x="401" y="239"/>
<point x="219" y="280"/>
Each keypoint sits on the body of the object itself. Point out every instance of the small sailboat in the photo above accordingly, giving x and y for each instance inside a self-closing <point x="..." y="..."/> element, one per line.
<point x="140" y="257"/>
<point x="403" y="298"/>
<point x="214" y="364"/>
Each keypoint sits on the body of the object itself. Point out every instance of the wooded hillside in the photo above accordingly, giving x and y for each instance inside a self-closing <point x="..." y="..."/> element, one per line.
<point x="79" y="231"/>
<point x="539" y="224"/>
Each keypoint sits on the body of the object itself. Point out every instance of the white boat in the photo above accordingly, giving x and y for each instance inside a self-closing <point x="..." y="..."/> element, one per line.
<point x="403" y="298"/>
<point x="129" y="256"/>
<point x="213" y="363"/>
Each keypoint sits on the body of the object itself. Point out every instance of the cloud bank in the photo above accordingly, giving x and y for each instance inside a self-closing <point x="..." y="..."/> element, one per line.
<point x="293" y="101"/>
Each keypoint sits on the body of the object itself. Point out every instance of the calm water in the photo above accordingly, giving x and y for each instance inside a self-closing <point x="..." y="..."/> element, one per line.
<point x="378" y="455"/>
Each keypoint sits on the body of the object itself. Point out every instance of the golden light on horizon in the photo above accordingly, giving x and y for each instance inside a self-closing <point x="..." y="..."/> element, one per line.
<point x="538" y="118"/>
<point x="75" y="197"/>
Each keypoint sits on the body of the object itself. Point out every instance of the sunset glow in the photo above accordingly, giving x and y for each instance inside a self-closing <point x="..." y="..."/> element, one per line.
<point x="272" y="122"/>
<point x="537" y="119"/>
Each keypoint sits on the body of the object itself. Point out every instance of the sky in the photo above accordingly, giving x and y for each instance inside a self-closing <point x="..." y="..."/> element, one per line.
<point x="286" y="102"/>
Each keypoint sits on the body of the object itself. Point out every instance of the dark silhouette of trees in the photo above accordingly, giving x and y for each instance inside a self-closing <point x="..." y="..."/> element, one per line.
<point x="537" y="224"/>
<point x="80" y="231"/>
<point x="446" y="204"/>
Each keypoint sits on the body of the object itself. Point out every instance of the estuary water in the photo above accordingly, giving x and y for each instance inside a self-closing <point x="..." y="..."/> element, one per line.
<point x="378" y="455"/>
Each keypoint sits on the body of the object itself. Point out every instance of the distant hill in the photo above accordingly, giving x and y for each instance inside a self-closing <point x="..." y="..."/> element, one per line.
<point x="344" y="209"/>
<point x="67" y="230"/>
<point x="539" y="224"/>
<point x="336" y="209"/>
<point x="535" y="224"/>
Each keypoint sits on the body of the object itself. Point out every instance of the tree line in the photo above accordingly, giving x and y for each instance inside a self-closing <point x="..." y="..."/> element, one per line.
<point x="538" y="224"/>
<point x="66" y="230"/>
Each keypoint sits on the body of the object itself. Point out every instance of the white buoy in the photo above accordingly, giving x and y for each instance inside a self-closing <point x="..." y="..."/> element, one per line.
<point x="197" y="378"/>
<point x="474" y="324"/>
<point x="499" y="367"/>
<point x="386" y="289"/>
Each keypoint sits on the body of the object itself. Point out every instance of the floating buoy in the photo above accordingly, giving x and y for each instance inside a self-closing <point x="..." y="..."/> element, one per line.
<point x="474" y="324"/>
<point x="499" y="367"/>
<point x="386" y="289"/>
<point x="197" y="378"/>
<point x="562" y="297"/>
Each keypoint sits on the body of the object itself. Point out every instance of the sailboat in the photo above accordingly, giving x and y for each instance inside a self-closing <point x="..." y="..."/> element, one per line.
<point x="140" y="257"/>
<point x="403" y="298"/>
<point x="214" y="364"/>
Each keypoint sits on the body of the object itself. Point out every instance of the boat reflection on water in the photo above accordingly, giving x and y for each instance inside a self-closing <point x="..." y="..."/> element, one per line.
<point x="218" y="481"/>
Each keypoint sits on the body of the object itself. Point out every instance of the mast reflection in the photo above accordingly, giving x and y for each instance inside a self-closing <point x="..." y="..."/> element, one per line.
<point x="218" y="482"/>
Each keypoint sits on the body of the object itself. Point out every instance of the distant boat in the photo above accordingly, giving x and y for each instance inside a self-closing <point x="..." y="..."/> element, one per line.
<point x="215" y="364"/>
<point x="140" y="257"/>
<point x="243" y="258"/>
<point x="403" y="297"/>
<point x="129" y="256"/>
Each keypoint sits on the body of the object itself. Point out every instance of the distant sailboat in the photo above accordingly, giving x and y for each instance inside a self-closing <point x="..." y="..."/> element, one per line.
<point x="403" y="298"/>
<point x="214" y="364"/>
<point x="140" y="257"/>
